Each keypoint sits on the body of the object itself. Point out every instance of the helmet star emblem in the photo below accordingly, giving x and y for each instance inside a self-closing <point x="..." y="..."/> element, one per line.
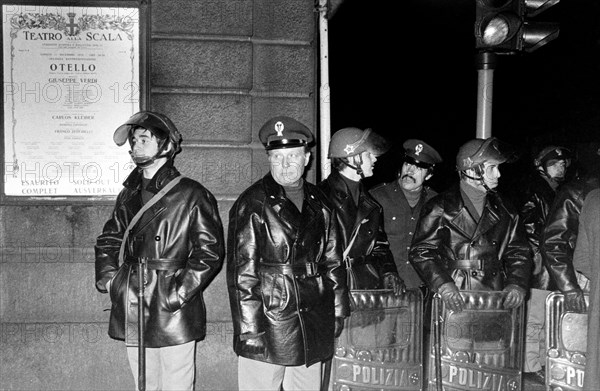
<point x="418" y="149"/>
<point x="349" y="149"/>
<point x="279" y="128"/>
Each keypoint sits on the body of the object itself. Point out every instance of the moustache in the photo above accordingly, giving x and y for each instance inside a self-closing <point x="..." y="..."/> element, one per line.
<point x="406" y="176"/>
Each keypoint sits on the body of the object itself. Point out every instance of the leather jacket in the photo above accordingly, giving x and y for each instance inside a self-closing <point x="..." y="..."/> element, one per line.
<point x="182" y="238"/>
<point x="537" y="197"/>
<point x="450" y="245"/>
<point x="369" y="256"/>
<point x="560" y="234"/>
<point x="285" y="275"/>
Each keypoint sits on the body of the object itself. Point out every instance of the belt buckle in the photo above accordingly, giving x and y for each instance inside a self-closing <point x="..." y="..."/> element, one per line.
<point x="348" y="262"/>
<point x="311" y="269"/>
<point x="144" y="262"/>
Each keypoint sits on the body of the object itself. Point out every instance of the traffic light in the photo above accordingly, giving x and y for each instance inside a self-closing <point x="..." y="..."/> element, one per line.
<point x="503" y="26"/>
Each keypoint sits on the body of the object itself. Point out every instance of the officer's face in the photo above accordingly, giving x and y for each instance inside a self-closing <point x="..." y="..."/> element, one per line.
<point x="287" y="165"/>
<point x="557" y="170"/>
<point x="144" y="145"/>
<point x="368" y="163"/>
<point x="491" y="174"/>
<point x="412" y="177"/>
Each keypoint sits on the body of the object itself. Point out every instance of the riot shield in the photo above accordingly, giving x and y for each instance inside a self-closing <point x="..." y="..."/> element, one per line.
<point x="479" y="348"/>
<point x="566" y="342"/>
<point x="381" y="346"/>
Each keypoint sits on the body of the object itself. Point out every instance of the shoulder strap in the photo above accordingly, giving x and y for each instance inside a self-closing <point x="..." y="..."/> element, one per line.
<point x="146" y="206"/>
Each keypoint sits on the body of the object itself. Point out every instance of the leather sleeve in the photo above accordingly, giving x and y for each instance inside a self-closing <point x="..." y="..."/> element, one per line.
<point x="242" y="270"/>
<point x="559" y="237"/>
<point x="205" y="233"/>
<point x="425" y="254"/>
<point x="336" y="271"/>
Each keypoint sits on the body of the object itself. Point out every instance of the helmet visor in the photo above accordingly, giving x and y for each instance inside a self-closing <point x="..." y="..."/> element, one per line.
<point x="375" y="144"/>
<point x="494" y="150"/>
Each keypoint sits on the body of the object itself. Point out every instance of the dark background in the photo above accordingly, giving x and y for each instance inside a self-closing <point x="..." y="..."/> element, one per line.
<point x="407" y="70"/>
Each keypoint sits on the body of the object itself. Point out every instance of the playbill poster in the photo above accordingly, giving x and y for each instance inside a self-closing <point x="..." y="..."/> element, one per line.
<point x="71" y="77"/>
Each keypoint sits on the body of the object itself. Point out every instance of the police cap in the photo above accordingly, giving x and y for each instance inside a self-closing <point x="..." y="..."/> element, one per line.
<point x="284" y="132"/>
<point x="420" y="153"/>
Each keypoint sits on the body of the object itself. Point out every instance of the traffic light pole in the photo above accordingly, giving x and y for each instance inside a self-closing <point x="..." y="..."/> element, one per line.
<point x="486" y="63"/>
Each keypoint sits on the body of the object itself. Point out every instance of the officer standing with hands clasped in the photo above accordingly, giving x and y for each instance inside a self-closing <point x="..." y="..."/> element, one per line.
<point x="170" y="225"/>
<point x="286" y="282"/>
<point x="468" y="237"/>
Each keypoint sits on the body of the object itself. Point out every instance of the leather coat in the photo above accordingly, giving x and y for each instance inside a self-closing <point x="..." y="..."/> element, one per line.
<point x="450" y="245"/>
<point x="369" y="255"/>
<point x="560" y="233"/>
<point x="536" y="199"/>
<point x="285" y="275"/>
<point x="400" y="221"/>
<point x="182" y="237"/>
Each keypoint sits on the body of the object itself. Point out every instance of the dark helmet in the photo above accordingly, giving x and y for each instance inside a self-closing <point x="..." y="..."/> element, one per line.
<point x="475" y="152"/>
<point x="552" y="153"/>
<point x="158" y="124"/>
<point x="348" y="142"/>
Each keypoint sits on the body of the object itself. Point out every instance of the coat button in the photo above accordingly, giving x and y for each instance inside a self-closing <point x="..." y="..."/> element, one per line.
<point x="157" y="238"/>
<point x="474" y="273"/>
<point x="473" y="244"/>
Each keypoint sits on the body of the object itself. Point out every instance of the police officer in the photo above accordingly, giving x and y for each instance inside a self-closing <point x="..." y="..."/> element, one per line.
<point x="537" y="194"/>
<point x="562" y="227"/>
<point x="286" y="282"/>
<point x="181" y="240"/>
<point x="468" y="237"/>
<point x="402" y="201"/>
<point x="369" y="261"/>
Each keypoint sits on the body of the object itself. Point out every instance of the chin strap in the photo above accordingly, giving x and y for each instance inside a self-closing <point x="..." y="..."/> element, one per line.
<point x="358" y="169"/>
<point x="479" y="172"/>
<point x="146" y="161"/>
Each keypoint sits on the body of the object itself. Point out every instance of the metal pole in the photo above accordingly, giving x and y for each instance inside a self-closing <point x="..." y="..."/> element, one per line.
<point x="437" y="341"/>
<point x="141" y="346"/>
<point x="486" y="63"/>
<point x="324" y="92"/>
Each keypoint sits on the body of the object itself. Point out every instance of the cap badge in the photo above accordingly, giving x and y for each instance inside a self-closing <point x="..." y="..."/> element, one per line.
<point x="279" y="128"/>
<point x="349" y="149"/>
<point x="418" y="149"/>
<point x="558" y="152"/>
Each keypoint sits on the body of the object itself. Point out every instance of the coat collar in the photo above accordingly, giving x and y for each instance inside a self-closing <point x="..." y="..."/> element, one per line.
<point x="163" y="176"/>
<point x="276" y="198"/>
<point x="465" y="223"/>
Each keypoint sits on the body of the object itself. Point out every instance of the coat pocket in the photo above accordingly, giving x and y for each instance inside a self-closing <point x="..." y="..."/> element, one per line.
<point x="167" y="291"/>
<point x="279" y="298"/>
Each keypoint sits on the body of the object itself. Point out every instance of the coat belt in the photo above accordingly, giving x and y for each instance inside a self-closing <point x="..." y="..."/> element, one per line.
<point x="158" y="263"/>
<point x="305" y="269"/>
<point x="473" y="264"/>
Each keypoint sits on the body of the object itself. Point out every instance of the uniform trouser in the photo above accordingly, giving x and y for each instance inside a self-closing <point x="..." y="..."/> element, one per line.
<point x="256" y="375"/>
<point x="535" y="349"/>
<point x="167" y="368"/>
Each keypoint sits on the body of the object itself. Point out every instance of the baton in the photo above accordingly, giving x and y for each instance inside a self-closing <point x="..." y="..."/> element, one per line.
<point x="437" y="337"/>
<point x="141" y="348"/>
<point x="326" y="375"/>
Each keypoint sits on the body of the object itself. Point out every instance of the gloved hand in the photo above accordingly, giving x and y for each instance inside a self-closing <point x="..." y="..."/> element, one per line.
<point x="254" y="344"/>
<point x="339" y="326"/>
<point x="394" y="282"/>
<point x="575" y="301"/>
<point x="515" y="296"/>
<point x="451" y="297"/>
